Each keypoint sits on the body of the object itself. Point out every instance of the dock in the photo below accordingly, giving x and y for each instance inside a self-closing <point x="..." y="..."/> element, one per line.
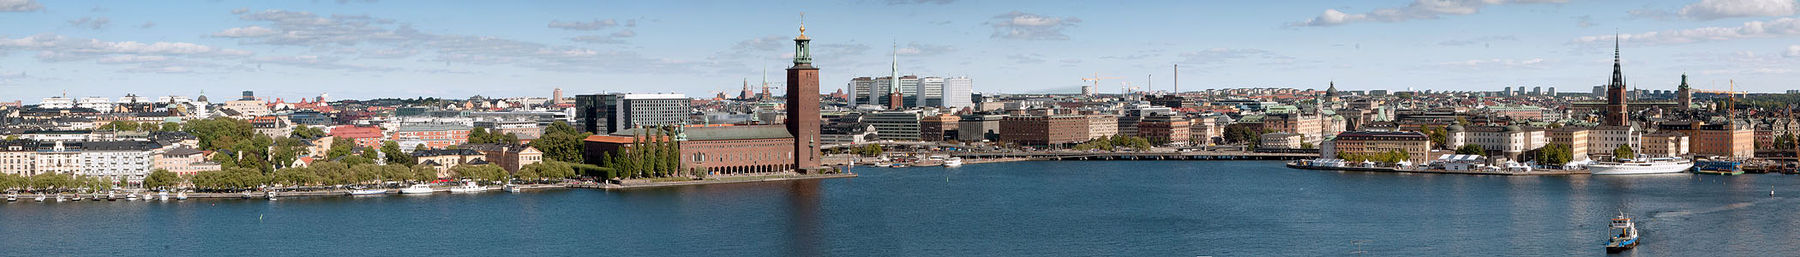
<point x="1455" y="172"/>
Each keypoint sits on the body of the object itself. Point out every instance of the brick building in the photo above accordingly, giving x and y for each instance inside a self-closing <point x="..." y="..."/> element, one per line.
<point x="1044" y="130"/>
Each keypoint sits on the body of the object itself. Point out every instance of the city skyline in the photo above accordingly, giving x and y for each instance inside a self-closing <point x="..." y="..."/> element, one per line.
<point x="404" y="49"/>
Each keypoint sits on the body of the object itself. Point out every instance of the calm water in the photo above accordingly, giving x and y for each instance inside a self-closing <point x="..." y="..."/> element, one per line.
<point x="1014" y="209"/>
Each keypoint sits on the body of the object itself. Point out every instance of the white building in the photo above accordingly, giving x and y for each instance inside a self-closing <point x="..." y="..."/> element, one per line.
<point x="958" y="92"/>
<point x="57" y="103"/>
<point x="127" y="161"/>
<point x="97" y="103"/>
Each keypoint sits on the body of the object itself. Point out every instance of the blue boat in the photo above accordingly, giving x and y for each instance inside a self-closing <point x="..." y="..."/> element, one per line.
<point x="1625" y="234"/>
<point x="1719" y="168"/>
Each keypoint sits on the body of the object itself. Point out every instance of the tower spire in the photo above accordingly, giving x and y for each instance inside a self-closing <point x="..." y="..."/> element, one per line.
<point x="802" y="46"/>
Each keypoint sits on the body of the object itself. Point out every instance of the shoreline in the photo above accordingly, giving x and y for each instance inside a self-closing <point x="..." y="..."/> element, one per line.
<point x="1450" y="172"/>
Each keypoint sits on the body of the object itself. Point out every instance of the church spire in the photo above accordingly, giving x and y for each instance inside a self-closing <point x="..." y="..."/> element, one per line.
<point x="894" y="71"/>
<point x="1618" y="77"/>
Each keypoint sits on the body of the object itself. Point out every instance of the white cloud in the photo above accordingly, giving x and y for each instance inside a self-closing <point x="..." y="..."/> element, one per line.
<point x="1417" y="10"/>
<point x="52" y="47"/>
<point x="245" y="32"/>
<point x="20" y="6"/>
<point x="1218" y="55"/>
<point x="1793" y="51"/>
<point x="1027" y="26"/>
<point x="1754" y="29"/>
<point x="1488" y="64"/>
<point x="583" y="25"/>
<point x="1718" y="9"/>
<point x="317" y="62"/>
<point x="133" y="59"/>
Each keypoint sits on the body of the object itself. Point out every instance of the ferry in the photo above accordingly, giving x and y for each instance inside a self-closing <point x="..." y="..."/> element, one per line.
<point x="417" y="189"/>
<point x="1642" y="166"/>
<point x="953" y="162"/>
<point x="1625" y="234"/>
<point x="1719" y="168"/>
<point x="375" y="191"/>
<point x="468" y="187"/>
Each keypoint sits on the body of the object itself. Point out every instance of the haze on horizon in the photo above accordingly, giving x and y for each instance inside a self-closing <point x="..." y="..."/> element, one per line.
<point x="455" y="49"/>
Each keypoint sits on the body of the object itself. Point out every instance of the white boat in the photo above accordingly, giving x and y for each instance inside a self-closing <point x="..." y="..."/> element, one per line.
<point x="61" y="198"/>
<point x="40" y="198"/>
<point x="1625" y="234"/>
<point x="163" y="196"/>
<point x="12" y="197"/>
<point x="271" y="195"/>
<point x="1642" y="166"/>
<point x="181" y="195"/>
<point x="131" y="197"/>
<point x="77" y="197"/>
<point x="953" y="162"/>
<point x="511" y="188"/>
<point x="417" y="189"/>
<point x="468" y="187"/>
<point x="111" y="197"/>
<point x="375" y="191"/>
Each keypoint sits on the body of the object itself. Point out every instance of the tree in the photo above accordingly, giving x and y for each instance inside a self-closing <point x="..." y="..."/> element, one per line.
<point x="161" y="178"/>
<point x="340" y="147"/>
<point x="1439" y="136"/>
<point x="1624" y="152"/>
<point x="479" y="135"/>
<point x="391" y="150"/>
<point x="121" y="125"/>
<point x="485" y="172"/>
<point x="307" y="132"/>
<point x="1555" y="154"/>
<point x="561" y="142"/>
<point x="1471" y="149"/>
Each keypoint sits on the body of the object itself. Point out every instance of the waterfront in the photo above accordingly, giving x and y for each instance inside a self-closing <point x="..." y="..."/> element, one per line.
<point x="1129" y="208"/>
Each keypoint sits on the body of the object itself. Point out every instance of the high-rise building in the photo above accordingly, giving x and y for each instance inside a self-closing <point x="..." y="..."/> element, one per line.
<point x="608" y="113"/>
<point x="957" y="92"/>
<point x="803" y="105"/>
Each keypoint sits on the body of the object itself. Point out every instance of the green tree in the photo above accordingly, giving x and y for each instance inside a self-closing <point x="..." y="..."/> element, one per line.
<point x="391" y="150"/>
<point x="479" y="135"/>
<point x="1438" y="135"/>
<point x="561" y="142"/>
<point x="1471" y="149"/>
<point x="307" y="132"/>
<point x="1624" y="152"/>
<point x="340" y="147"/>
<point x="161" y="178"/>
<point x="484" y="172"/>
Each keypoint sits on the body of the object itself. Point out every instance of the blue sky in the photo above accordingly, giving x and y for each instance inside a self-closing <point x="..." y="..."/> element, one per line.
<point x="391" y="48"/>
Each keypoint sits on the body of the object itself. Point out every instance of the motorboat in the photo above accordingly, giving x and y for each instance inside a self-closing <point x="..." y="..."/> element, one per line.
<point x="40" y="198"/>
<point x="511" y="188"/>
<point x="131" y="197"/>
<point x="163" y="196"/>
<point x="468" y="187"/>
<point x="77" y="197"/>
<point x="61" y="198"/>
<point x="372" y="191"/>
<point x="417" y="189"/>
<point x="1625" y="234"/>
<point x="270" y="195"/>
<point x="1727" y="168"/>
<point x="181" y="195"/>
<point x="12" y="197"/>
<point x="110" y="196"/>
<point x="953" y="162"/>
<point x="1642" y="166"/>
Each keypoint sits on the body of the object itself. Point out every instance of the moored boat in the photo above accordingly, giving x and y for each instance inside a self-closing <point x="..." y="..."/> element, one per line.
<point x="953" y="162"/>
<point x="61" y="198"/>
<point x="181" y="195"/>
<point x="40" y="198"/>
<point x="131" y="197"/>
<point x="270" y="195"/>
<point x="1642" y="166"/>
<point x="12" y="197"/>
<point x="163" y="196"/>
<point x="1625" y="234"/>
<point x="417" y="189"/>
<point x="1719" y="168"/>
<point x="373" y="191"/>
<point x="468" y="187"/>
<point x="511" y="188"/>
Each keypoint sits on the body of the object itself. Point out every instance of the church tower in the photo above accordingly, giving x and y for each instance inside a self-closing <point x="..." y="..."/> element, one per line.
<point x="895" y="100"/>
<point x="803" y="105"/>
<point x="1684" y="95"/>
<point x="1616" y="110"/>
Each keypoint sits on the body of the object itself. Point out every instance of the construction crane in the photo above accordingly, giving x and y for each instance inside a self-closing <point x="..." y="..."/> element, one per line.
<point x="1096" y="79"/>
<point x="1125" y="88"/>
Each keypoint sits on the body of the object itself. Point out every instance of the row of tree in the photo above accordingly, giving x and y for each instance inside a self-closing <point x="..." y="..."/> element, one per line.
<point x="55" y="183"/>
<point x="653" y="153"/>
<point x="125" y="125"/>
<point x="561" y="142"/>
<point x="482" y="136"/>
<point x="1394" y="156"/>
<point x="1114" y="142"/>
<point x="336" y="173"/>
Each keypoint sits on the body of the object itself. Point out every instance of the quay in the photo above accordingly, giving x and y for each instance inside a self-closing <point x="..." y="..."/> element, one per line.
<point x="1434" y="171"/>
<point x="1118" y="156"/>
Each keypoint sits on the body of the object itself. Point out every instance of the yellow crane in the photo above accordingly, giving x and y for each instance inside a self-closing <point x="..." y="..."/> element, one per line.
<point x="1096" y="79"/>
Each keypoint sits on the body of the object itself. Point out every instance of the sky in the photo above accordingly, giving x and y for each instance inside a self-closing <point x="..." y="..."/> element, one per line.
<point x="456" y="49"/>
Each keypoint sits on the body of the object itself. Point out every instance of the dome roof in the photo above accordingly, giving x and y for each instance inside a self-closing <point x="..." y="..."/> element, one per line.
<point x="1513" y="128"/>
<point x="1454" y="128"/>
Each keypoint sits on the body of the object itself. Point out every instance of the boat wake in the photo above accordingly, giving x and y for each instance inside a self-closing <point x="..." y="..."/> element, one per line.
<point x="1728" y="207"/>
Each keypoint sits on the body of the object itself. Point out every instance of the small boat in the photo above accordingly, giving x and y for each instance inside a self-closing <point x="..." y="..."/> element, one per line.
<point x="417" y="189"/>
<point x="40" y="198"/>
<point x="375" y="191"/>
<point x="131" y="197"/>
<point x="1642" y="166"/>
<point x="468" y="187"/>
<point x="12" y="197"/>
<point x="1727" y="168"/>
<point x="1625" y="234"/>
<point x="953" y="162"/>
<point x="181" y="195"/>
<point x="246" y="195"/>
<point x="162" y="196"/>
<point x="511" y="188"/>
<point x="61" y="198"/>
<point x="111" y="197"/>
<point x="270" y="195"/>
<point x="76" y="198"/>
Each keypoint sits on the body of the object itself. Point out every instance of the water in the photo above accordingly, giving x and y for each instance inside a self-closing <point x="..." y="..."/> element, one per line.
<point x="1142" y="208"/>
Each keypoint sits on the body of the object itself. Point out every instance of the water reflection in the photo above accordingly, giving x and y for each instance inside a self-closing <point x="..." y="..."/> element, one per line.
<point x="805" y="237"/>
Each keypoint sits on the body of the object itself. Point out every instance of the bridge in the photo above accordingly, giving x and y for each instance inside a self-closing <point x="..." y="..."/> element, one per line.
<point x="1137" y="155"/>
<point x="908" y="143"/>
